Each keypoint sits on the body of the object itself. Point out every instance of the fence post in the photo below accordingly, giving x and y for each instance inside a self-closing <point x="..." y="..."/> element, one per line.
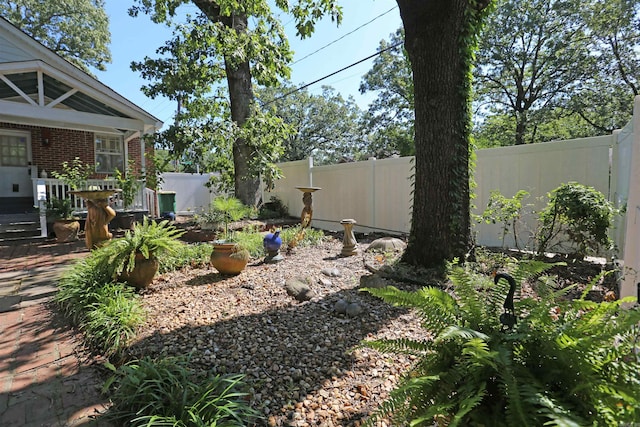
<point x="310" y="170"/>
<point x="631" y="271"/>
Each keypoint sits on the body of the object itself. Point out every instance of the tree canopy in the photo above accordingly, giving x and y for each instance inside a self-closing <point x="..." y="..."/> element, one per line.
<point x="77" y="30"/>
<point x="550" y="69"/>
<point x="391" y="115"/>
<point x="219" y="44"/>
<point x="327" y="126"/>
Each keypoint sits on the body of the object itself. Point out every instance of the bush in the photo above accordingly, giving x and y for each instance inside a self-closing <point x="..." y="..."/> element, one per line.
<point x="506" y="211"/>
<point x="167" y="392"/>
<point x="563" y="362"/>
<point x="581" y="213"/>
<point x="274" y="208"/>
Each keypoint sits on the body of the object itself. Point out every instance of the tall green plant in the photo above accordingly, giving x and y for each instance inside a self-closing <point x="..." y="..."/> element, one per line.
<point x="568" y="363"/>
<point x="229" y="209"/>
<point x="108" y="313"/>
<point x="74" y="174"/>
<point x="128" y="182"/>
<point x="581" y="213"/>
<point x="167" y="392"/>
<point x="506" y="211"/>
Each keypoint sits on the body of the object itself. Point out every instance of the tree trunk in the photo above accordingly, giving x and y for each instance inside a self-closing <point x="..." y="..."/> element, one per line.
<point x="440" y="228"/>
<point x="521" y="127"/>
<point x="246" y="183"/>
<point x="241" y="98"/>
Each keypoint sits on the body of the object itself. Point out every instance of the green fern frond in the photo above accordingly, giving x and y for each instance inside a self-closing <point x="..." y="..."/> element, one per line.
<point x="470" y="301"/>
<point x="402" y="345"/>
<point x="453" y="332"/>
<point x="436" y="308"/>
<point x="594" y="282"/>
<point x="526" y="270"/>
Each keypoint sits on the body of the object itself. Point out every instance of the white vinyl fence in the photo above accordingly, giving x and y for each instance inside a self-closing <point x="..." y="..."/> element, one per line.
<point x="377" y="193"/>
<point x="192" y="195"/>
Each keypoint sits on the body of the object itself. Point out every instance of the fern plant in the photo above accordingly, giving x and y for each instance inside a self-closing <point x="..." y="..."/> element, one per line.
<point x="149" y="239"/>
<point x="568" y="363"/>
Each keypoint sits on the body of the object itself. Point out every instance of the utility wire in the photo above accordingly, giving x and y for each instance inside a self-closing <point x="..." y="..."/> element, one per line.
<point x="348" y="34"/>
<point x="332" y="74"/>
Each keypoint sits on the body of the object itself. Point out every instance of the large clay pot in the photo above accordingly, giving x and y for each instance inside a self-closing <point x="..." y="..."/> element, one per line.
<point x="228" y="259"/>
<point x="66" y="230"/>
<point x="143" y="271"/>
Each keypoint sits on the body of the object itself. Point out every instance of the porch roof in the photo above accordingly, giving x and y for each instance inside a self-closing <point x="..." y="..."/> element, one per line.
<point x="38" y="87"/>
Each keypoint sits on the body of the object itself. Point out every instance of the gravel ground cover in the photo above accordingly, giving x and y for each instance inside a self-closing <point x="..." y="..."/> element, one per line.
<point x="301" y="359"/>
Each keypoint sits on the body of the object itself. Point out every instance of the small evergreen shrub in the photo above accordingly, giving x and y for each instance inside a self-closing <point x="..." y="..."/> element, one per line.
<point x="582" y="214"/>
<point x="565" y="363"/>
<point x="506" y="211"/>
<point x="167" y="392"/>
<point x="274" y="208"/>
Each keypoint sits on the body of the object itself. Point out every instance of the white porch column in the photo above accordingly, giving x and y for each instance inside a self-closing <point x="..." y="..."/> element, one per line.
<point x="631" y="270"/>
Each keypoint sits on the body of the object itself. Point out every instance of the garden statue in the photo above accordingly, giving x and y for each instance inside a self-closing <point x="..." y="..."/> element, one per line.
<point x="508" y="317"/>
<point x="99" y="214"/>
<point x="307" y="211"/>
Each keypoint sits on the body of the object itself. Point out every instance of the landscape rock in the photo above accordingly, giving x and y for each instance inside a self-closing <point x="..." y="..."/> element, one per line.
<point x="373" y="281"/>
<point x="341" y="306"/>
<point x="331" y="272"/>
<point x="299" y="289"/>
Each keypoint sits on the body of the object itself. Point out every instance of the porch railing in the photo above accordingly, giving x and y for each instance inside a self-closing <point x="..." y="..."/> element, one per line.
<point x="143" y="200"/>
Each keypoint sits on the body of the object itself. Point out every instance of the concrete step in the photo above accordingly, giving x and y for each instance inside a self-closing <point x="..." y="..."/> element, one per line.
<point x="19" y="227"/>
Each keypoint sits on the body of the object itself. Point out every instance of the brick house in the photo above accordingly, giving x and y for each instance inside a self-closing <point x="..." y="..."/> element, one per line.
<point x="50" y="112"/>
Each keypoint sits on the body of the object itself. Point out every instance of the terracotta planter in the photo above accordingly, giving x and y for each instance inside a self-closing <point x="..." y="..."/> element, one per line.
<point x="143" y="271"/>
<point x="227" y="259"/>
<point x="66" y="230"/>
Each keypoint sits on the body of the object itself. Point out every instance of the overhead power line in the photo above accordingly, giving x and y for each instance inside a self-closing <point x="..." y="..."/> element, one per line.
<point x="349" y="33"/>
<point x="333" y="74"/>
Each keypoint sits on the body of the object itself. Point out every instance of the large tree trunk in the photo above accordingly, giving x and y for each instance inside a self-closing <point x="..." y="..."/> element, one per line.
<point x="246" y="183"/>
<point x="241" y="98"/>
<point x="440" y="227"/>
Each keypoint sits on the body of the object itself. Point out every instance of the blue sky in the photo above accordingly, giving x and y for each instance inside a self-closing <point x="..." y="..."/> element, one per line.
<point x="134" y="38"/>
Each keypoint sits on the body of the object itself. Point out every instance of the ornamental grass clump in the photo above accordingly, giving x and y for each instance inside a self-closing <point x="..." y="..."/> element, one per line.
<point x="168" y="392"/>
<point x="568" y="363"/>
<point x="108" y="313"/>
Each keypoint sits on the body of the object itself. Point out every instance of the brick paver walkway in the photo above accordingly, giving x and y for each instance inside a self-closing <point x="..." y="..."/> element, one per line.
<point x="44" y="378"/>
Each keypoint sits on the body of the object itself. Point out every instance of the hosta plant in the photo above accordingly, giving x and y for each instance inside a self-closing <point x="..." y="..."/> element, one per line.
<point x="566" y="363"/>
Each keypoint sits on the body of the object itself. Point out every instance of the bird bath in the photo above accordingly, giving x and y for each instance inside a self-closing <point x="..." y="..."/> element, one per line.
<point x="307" y="211"/>
<point x="99" y="214"/>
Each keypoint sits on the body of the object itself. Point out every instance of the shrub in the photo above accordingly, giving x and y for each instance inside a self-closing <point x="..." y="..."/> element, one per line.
<point x="581" y="213"/>
<point x="506" y="211"/>
<point x="167" y="392"/>
<point x="274" y="208"/>
<point x="297" y="236"/>
<point x="74" y="174"/>
<point x="562" y="363"/>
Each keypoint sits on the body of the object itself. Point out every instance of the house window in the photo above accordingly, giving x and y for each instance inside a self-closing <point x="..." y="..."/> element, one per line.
<point x="13" y="150"/>
<point x="109" y="153"/>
